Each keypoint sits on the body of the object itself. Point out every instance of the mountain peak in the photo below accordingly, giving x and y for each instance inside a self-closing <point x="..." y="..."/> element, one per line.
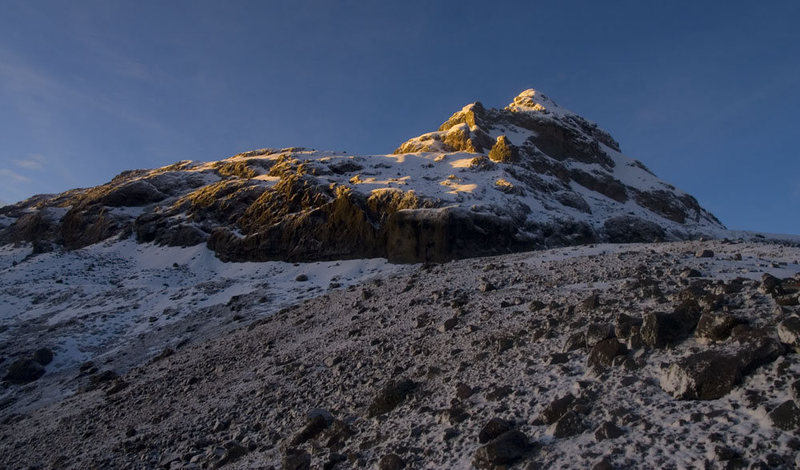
<point x="531" y="100"/>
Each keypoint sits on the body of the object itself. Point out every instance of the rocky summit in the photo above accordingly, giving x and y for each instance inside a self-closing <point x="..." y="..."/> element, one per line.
<point x="532" y="175"/>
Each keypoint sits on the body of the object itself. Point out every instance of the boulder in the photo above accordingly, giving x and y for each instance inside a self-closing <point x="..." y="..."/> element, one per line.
<point x="494" y="428"/>
<point x="23" y="371"/>
<point x="505" y="449"/>
<point x="552" y="412"/>
<point x="597" y="332"/>
<point x="603" y="353"/>
<point x="660" y="330"/>
<point x="786" y="416"/>
<point x="393" y="394"/>
<point x="569" y="424"/>
<point x="713" y="327"/>
<point x="707" y="375"/>
<point x="391" y="462"/>
<point x="43" y="356"/>
<point x="789" y="332"/>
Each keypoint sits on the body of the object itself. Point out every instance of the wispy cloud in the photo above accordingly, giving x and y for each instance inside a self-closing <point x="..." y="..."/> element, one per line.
<point x="33" y="161"/>
<point x="13" y="176"/>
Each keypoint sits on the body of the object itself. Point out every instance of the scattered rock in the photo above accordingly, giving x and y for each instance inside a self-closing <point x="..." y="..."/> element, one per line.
<point x="463" y="391"/>
<point x="392" y="395"/>
<point x="505" y="449"/>
<point x="494" y="428"/>
<point x="786" y="416"/>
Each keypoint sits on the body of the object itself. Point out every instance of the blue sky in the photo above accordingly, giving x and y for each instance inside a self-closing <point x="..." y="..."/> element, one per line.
<point x="706" y="94"/>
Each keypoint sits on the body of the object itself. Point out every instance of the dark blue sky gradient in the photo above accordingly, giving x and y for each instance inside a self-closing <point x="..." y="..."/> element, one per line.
<point x="707" y="96"/>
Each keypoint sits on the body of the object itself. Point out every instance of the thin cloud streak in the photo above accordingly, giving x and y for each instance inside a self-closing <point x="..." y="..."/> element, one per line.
<point x="12" y="175"/>
<point x="33" y="161"/>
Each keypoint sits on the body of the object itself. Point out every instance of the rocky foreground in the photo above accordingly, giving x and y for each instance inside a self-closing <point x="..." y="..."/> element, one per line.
<point x="672" y="355"/>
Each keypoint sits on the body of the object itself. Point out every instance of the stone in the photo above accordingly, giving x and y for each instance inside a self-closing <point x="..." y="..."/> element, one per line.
<point x="786" y="416"/>
<point x="597" y="332"/>
<point x="626" y="325"/>
<point x="789" y="332"/>
<point x="448" y="325"/>
<point x="233" y="452"/>
<point x="464" y="391"/>
<point x="296" y="459"/>
<point x="707" y="375"/>
<point x="314" y="425"/>
<point x="301" y="278"/>
<point x="590" y="303"/>
<point x="569" y="424"/>
<point x="393" y="394"/>
<point x="660" y="330"/>
<point x="505" y="449"/>
<point x="391" y="462"/>
<point x="556" y="409"/>
<point x="23" y="371"/>
<point x="574" y="342"/>
<point x="494" y="428"/>
<point x="43" y="356"/>
<point x="794" y="389"/>
<point x="713" y="327"/>
<point x="704" y="254"/>
<point x="608" y="430"/>
<point x="603" y="464"/>
<point x="603" y="353"/>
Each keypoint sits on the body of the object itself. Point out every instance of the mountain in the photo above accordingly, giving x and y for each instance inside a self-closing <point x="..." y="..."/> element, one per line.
<point x="532" y="175"/>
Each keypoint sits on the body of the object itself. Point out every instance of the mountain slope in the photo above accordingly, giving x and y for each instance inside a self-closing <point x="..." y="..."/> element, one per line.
<point x="489" y="181"/>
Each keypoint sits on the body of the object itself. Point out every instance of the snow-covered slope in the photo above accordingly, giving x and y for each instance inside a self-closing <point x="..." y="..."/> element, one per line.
<point x="531" y="175"/>
<point x="665" y="355"/>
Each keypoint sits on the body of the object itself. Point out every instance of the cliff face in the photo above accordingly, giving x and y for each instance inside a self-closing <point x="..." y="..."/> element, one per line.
<point x="489" y="181"/>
